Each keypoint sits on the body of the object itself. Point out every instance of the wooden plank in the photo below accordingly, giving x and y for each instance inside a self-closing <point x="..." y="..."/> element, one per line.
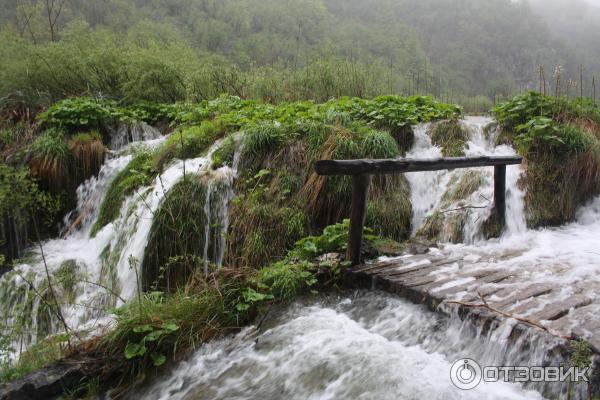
<point x="360" y="192"/>
<point x="359" y="167"/>
<point x="549" y="310"/>
<point x="397" y="262"/>
<point x="560" y="309"/>
<point x="496" y="276"/>
<point x="514" y="295"/>
<point x="580" y="322"/>
<point x="474" y="270"/>
<point x="425" y="266"/>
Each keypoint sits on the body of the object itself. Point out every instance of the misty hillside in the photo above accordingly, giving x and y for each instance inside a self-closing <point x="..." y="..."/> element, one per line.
<point x="576" y="23"/>
<point x="444" y="47"/>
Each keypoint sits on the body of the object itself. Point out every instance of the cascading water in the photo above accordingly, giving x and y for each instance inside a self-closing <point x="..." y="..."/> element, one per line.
<point x="368" y="346"/>
<point x="91" y="274"/>
<point x="133" y="132"/>
<point x="433" y="193"/>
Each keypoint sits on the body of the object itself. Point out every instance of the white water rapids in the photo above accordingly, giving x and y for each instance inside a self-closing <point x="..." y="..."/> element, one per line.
<point x="373" y="346"/>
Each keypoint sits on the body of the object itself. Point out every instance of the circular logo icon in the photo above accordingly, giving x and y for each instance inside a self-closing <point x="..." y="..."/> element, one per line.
<point x="465" y="374"/>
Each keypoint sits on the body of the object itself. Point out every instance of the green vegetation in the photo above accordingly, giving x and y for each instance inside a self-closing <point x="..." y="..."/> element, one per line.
<point x="159" y="327"/>
<point x="36" y="357"/>
<point x="559" y="139"/>
<point x="273" y="51"/>
<point x="224" y="155"/>
<point x="139" y="172"/>
<point x="51" y="159"/>
<point x="177" y="240"/>
<point x="451" y="137"/>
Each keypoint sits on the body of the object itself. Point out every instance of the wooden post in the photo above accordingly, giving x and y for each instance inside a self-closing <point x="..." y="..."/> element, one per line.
<point x="360" y="192"/>
<point x="500" y="193"/>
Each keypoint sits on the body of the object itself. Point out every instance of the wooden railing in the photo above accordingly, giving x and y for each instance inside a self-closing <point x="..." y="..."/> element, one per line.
<point x="361" y="171"/>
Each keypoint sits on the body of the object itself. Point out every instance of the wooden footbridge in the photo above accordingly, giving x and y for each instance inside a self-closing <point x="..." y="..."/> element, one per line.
<point x="484" y="286"/>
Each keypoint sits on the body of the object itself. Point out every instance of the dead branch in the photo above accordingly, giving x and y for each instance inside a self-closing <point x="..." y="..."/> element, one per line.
<point x="486" y="306"/>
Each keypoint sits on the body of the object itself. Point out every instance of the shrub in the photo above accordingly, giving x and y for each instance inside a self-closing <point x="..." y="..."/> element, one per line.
<point x="51" y="159"/>
<point x="88" y="154"/>
<point x="80" y="113"/>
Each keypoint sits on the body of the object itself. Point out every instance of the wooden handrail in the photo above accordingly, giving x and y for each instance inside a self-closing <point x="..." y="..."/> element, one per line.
<point x="361" y="171"/>
<point x="402" y="165"/>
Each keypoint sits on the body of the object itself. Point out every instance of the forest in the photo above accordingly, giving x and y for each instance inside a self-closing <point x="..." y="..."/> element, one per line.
<point x="467" y="51"/>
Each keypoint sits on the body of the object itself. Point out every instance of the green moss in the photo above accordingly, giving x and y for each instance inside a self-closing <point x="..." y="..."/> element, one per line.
<point x="404" y="137"/>
<point x="86" y="138"/>
<point x="491" y="227"/>
<point x="225" y="153"/>
<point x="462" y="188"/>
<point x="451" y="137"/>
<point x="139" y="172"/>
<point x="444" y="227"/>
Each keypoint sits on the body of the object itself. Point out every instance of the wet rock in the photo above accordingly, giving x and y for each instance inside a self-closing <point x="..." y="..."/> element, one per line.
<point x="47" y="383"/>
<point x="419" y="246"/>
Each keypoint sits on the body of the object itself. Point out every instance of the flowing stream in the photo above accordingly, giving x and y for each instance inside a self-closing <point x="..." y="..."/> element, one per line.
<point x="359" y="346"/>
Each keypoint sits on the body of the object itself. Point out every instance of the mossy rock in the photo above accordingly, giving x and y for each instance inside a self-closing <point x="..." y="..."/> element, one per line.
<point x="444" y="227"/>
<point x="491" y="227"/>
<point x="506" y="136"/>
<point x="67" y="275"/>
<point x="451" y="136"/>
<point x="461" y="187"/>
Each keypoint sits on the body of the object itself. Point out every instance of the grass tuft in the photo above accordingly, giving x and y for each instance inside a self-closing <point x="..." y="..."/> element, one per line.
<point x="451" y="136"/>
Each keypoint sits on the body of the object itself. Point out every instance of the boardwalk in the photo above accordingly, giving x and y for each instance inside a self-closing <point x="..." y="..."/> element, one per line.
<point x="508" y="284"/>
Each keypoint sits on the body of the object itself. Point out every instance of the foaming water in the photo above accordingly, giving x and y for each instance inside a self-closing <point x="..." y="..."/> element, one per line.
<point x="431" y="192"/>
<point x="373" y="346"/>
<point x="92" y="274"/>
<point x="128" y="133"/>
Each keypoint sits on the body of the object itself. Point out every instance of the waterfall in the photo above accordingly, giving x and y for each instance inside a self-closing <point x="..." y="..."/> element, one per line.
<point x="101" y="270"/>
<point x="127" y="133"/>
<point x="431" y="192"/>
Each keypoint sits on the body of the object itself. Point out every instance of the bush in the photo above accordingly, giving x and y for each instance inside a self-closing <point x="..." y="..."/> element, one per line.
<point x="51" y="159"/>
<point x="80" y="113"/>
<point x="559" y="139"/>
